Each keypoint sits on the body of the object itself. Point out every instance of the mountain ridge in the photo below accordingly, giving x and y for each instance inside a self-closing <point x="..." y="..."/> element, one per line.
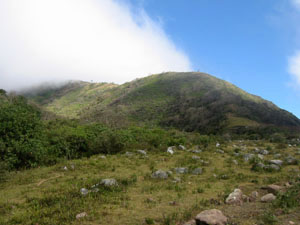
<point x="187" y="101"/>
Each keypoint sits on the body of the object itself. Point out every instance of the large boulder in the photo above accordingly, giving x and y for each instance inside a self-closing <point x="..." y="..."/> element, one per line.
<point x="273" y="188"/>
<point x="235" y="198"/>
<point x="211" y="217"/>
<point x="160" y="174"/>
<point x="268" y="198"/>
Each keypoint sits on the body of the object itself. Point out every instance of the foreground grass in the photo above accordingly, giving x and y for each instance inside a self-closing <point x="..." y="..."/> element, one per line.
<point x="51" y="195"/>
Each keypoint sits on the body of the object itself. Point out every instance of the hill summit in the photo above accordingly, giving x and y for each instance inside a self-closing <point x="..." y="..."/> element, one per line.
<point x="187" y="101"/>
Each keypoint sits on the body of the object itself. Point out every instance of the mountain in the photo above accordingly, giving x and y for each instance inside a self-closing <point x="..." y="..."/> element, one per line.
<point x="188" y="101"/>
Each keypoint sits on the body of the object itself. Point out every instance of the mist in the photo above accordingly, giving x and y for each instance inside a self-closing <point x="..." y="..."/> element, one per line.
<point x="99" y="40"/>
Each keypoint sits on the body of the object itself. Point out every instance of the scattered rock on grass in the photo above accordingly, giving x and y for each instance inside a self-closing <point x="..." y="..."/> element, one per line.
<point x="268" y="198"/>
<point x="253" y="196"/>
<point x="81" y="215"/>
<point x="211" y="217"/>
<point x="197" y="171"/>
<point x="142" y="152"/>
<point x="160" y="174"/>
<point x="170" y="150"/>
<point x="235" y="198"/>
<point x="276" y="162"/>
<point x="181" y="170"/>
<point x="290" y="160"/>
<point x="273" y="188"/>
<point x="84" y="191"/>
<point x="109" y="182"/>
<point x="181" y="147"/>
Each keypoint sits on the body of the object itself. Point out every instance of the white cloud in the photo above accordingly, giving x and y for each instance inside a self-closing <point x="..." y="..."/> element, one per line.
<point x="296" y="3"/>
<point x="100" y="40"/>
<point x="294" y="67"/>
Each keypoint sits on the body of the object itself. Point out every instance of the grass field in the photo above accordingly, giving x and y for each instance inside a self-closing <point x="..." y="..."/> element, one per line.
<point x="51" y="195"/>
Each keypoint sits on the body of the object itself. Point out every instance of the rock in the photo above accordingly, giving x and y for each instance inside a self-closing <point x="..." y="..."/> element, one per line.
<point x="172" y="203"/>
<point x="260" y="156"/>
<point x="235" y="162"/>
<point x="176" y="180"/>
<point x="159" y="174"/>
<point x="84" y="191"/>
<point x="181" y="147"/>
<point x="218" y="145"/>
<point x="170" y="150"/>
<point x="246" y="198"/>
<point x="196" y="151"/>
<point x="129" y="154"/>
<point x="264" y="152"/>
<point x="197" y="171"/>
<point x="65" y="168"/>
<point x="291" y="222"/>
<point x="290" y="160"/>
<point x="102" y="157"/>
<point x="109" y="182"/>
<point x="273" y="188"/>
<point x="181" y="170"/>
<point x="272" y="167"/>
<point x="191" y="222"/>
<point x="268" y="198"/>
<point x="276" y="162"/>
<point x="95" y="190"/>
<point x="211" y="217"/>
<point x="169" y="172"/>
<point x="260" y="165"/>
<point x="142" y="152"/>
<point x="195" y="157"/>
<point x="220" y="151"/>
<point x="253" y="196"/>
<point x="73" y="167"/>
<point x="81" y="215"/>
<point x="235" y="198"/>
<point x="257" y="150"/>
<point x="248" y="157"/>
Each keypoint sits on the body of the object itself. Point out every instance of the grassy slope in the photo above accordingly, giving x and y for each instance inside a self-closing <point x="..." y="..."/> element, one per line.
<point x="189" y="101"/>
<point x="52" y="195"/>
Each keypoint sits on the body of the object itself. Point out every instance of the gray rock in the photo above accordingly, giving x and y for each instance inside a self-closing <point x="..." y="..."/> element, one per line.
<point x="181" y="147"/>
<point x="235" y="162"/>
<point x="109" y="182"/>
<point x="160" y="174"/>
<point x="290" y="160"/>
<point x="235" y="198"/>
<point x="195" y="157"/>
<point x="257" y="150"/>
<point x="211" y="217"/>
<point x="181" y="170"/>
<point x="268" y="198"/>
<point x="170" y="150"/>
<point x="248" y="157"/>
<point x="103" y="157"/>
<point x="273" y="188"/>
<point x="129" y="154"/>
<point x="197" y="171"/>
<point x="218" y="145"/>
<point x="81" y="215"/>
<point x="272" y="167"/>
<point x="142" y="152"/>
<point x="176" y="180"/>
<point x="276" y="162"/>
<point x="253" y="196"/>
<point x="260" y="165"/>
<point x="65" y="168"/>
<point x="196" y="151"/>
<point x="264" y="152"/>
<point x="220" y="151"/>
<point x="84" y="191"/>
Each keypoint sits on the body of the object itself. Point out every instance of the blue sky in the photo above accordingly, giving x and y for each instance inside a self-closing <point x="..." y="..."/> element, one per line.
<point x="247" y="43"/>
<point x="253" y="44"/>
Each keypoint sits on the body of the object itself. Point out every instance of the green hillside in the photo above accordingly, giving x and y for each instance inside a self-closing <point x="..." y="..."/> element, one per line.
<point x="188" y="101"/>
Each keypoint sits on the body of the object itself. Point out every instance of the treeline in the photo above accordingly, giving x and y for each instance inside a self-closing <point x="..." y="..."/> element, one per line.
<point x="26" y="140"/>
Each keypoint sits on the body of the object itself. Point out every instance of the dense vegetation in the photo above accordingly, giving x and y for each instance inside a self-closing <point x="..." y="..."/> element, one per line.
<point x="26" y="140"/>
